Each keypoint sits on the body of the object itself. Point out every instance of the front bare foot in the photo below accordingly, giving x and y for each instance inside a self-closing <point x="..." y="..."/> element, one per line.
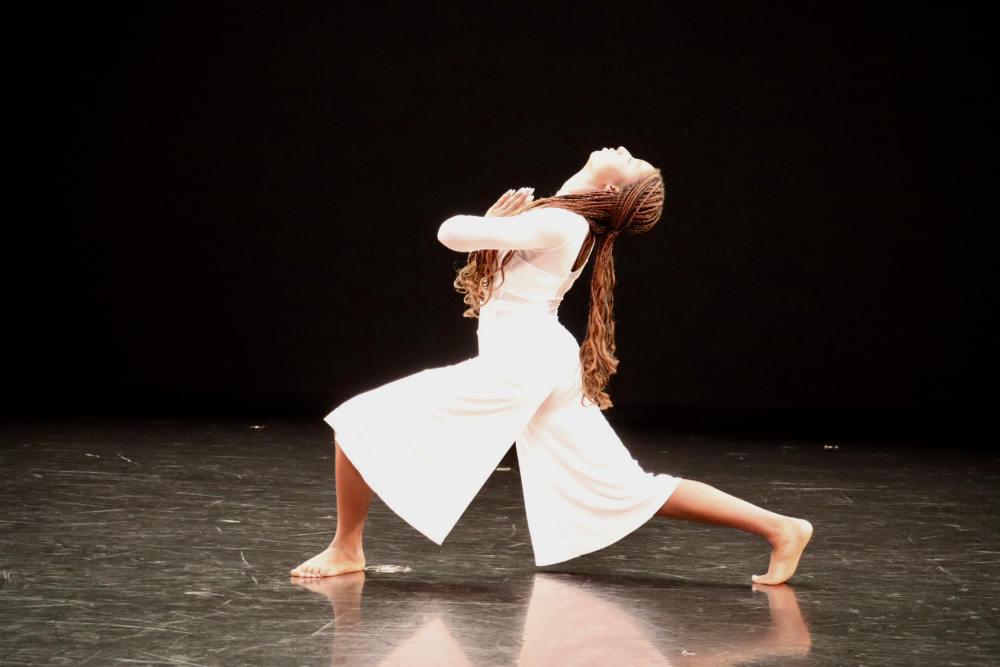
<point x="343" y="590"/>
<point x="785" y="552"/>
<point x="331" y="562"/>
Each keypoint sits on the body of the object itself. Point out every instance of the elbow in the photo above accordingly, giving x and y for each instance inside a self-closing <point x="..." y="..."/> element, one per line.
<point x="443" y="234"/>
<point x="446" y="234"/>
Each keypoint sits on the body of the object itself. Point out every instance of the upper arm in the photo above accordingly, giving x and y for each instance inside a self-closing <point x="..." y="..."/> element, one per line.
<point x="540" y="228"/>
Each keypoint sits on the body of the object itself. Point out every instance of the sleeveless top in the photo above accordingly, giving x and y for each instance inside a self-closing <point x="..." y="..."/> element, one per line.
<point x="527" y="289"/>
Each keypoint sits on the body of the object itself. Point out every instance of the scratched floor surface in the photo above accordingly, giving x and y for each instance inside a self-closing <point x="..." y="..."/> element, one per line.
<point x="159" y="542"/>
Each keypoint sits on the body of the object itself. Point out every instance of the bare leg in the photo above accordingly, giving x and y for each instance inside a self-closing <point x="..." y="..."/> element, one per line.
<point x="697" y="501"/>
<point x="353" y="499"/>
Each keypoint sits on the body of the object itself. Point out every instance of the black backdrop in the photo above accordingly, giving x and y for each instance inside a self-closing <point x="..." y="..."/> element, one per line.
<point x="231" y="206"/>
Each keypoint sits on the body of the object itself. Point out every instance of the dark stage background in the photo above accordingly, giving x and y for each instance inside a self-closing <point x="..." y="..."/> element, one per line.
<point x="227" y="207"/>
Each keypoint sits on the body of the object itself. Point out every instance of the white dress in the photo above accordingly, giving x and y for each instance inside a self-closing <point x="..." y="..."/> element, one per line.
<point x="426" y="443"/>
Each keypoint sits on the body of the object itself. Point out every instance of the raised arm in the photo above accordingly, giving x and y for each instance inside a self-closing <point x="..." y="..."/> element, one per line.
<point x="539" y="228"/>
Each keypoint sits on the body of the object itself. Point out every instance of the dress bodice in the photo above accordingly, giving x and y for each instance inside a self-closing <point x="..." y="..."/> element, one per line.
<point x="526" y="288"/>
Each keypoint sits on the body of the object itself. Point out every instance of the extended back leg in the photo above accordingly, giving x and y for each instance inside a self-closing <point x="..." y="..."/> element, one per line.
<point x="696" y="501"/>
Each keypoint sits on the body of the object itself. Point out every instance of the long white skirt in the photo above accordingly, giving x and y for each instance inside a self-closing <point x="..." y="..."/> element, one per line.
<point x="426" y="443"/>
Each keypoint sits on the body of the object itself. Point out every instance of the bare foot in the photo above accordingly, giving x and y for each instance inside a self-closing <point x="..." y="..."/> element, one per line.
<point x="331" y="562"/>
<point x="785" y="552"/>
<point x="345" y="587"/>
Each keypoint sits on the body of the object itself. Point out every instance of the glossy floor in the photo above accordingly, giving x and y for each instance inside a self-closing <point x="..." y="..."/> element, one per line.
<point x="170" y="543"/>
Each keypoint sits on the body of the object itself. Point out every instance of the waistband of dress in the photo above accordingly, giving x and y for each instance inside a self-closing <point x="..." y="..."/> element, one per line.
<point x="502" y="307"/>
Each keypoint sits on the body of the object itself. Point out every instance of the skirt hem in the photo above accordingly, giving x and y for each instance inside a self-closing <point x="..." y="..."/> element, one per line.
<point x="542" y="560"/>
<point x="376" y="484"/>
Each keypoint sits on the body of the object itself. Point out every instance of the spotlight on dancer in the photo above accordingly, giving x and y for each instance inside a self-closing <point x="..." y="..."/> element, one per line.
<point x="427" y="442"/>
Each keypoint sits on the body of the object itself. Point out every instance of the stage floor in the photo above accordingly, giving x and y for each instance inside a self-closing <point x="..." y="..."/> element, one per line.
<point x="169" y="542"/>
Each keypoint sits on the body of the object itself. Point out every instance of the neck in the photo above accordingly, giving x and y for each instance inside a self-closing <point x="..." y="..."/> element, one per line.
<point x="576" y="183"/>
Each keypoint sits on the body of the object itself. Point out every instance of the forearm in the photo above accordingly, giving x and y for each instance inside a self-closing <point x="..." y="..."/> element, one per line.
<point x="538" y="228"/>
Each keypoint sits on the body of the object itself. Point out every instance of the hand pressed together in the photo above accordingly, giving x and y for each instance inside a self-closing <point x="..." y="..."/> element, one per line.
<point x="510" y="202"/>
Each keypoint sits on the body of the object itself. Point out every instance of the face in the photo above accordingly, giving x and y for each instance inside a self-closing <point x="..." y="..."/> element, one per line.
<point x="613" y="168"/>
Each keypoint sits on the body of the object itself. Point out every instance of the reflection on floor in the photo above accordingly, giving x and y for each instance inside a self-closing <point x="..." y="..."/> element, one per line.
<point x="169" y="542"/>
<point x="570" y="620"/>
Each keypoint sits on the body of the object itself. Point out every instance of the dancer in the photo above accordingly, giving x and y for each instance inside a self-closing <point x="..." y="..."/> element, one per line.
<point x="427" y="442"/>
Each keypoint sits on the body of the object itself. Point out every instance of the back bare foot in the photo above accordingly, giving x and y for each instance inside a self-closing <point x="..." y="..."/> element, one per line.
<point x="331" y="562"/>
<point x="785" y="552"/>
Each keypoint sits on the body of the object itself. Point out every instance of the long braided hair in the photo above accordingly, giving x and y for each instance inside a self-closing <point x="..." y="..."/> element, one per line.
<point x="634" y="210"/>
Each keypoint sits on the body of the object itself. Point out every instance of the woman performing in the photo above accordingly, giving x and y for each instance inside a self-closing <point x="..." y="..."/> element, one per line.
<point x="427" y="443"/>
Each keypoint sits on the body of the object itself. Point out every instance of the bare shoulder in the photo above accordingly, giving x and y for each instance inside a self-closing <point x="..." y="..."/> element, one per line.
<point x="565" y="213"/>
<point x="570" y="220"/>
<point x="566" y="226"/>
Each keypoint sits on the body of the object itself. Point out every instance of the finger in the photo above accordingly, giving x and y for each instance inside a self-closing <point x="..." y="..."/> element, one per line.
<point x="518" y="196"/>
